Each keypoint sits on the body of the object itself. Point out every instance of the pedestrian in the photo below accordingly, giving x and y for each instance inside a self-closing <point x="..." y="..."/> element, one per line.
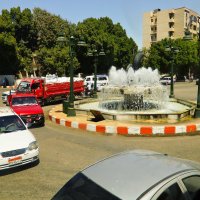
<point x="5" y="82"/>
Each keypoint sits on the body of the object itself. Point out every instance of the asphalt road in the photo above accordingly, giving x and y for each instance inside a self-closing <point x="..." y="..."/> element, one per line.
<point x="65" y="151"/>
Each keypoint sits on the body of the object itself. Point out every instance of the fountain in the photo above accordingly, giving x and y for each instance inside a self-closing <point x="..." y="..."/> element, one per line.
<point x="137" y="95"/>
<point x="133" y="91"/>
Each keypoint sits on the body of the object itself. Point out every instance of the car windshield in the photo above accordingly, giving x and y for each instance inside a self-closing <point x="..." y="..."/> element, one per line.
<point x="10" y="124"/>
<point x="24" y="87"/>
<point x="80" y="187"/>
<point x="24" y="100"/>
<point x="102" y="78"/>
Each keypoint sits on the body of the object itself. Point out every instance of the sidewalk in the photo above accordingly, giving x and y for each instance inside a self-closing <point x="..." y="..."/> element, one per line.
<point x="127" y="128"/>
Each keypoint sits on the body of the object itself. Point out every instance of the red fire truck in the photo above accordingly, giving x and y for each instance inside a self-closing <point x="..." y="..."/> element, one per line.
<point x="50" y="89"/>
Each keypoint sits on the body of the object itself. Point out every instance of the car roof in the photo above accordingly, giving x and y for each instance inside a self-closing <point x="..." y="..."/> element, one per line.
<point x="129" y="174"/>
<point x="6" y="111"/>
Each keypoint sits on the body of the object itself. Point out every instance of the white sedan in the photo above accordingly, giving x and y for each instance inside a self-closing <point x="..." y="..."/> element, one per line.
<point x="5" y="95"/>
<point x="18" y="146"/>
<point x="166" y="80"/>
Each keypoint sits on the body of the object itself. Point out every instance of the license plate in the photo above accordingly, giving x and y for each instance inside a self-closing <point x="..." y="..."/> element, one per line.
<point x="15" y="160"/>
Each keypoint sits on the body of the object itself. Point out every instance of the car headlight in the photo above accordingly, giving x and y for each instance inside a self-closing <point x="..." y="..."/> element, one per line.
<point x="32" y="146"/>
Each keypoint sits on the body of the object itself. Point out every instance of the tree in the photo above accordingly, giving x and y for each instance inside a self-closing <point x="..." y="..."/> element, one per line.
<point x="55" y="60"/>
<point x="185" y="59"/>
<point x="48" y="27"/>
<point x="112" y="37"/>
<point x="8" y="54"/>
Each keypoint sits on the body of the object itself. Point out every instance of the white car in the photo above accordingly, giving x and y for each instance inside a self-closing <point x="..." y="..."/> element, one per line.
<point x="18" y="146"/>
<point x="102" y="80"/>
<point x="5" y="94"/>
<point x="166" y="80"/>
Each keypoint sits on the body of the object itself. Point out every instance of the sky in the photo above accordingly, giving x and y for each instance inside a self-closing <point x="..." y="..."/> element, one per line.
<point x="128" y="13"/>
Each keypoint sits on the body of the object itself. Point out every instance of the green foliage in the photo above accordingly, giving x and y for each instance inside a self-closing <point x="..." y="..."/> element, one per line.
<point x="24" y="57"/>
<point x="55" y="60"/>
<point x="184" y="60"/>
<point x="8" y="54"/>
<point x="102" y="33"/>
<point x="38" y="32"/>
<point x="48" y="27"/>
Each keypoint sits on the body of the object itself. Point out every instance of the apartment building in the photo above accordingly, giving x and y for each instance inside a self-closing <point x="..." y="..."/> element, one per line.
<point x="172" y="23"/>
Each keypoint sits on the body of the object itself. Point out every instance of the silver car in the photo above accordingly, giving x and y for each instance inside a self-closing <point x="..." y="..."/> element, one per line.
<point x="135" y="175"/>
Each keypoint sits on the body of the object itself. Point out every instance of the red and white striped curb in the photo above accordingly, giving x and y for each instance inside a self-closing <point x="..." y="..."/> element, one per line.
<point x="130" y="130"/>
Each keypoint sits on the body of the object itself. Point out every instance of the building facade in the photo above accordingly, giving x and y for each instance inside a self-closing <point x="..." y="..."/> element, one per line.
<point x="172" y="23"/>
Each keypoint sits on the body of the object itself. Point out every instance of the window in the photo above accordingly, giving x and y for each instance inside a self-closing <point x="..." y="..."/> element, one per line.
<point x="24" y="100"/>
<point x="171" y="34"/>
<point x="35" y="86"/>
<point x="11" y="123"/>
<point x="192" y="184"/>
<point x="172" y="193"/>
<point x="171" y="15"/>
<point x="82" y="188"/>
<point x="24" y="86"/>
<point x="102" y="78"/>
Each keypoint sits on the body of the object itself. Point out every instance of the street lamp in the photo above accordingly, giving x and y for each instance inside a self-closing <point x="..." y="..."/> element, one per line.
<point x="94" y="53"/>
<point x="188" y="36"/>
<point x="72" y="44"/>
<point x="172" y="51"/>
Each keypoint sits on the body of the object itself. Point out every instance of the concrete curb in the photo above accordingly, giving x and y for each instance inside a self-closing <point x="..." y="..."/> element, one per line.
<point x="163" y="130"/>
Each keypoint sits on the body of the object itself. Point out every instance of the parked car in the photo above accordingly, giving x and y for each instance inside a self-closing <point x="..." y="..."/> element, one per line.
<point x="18" y="146"/>
<point x="4" y="95"/>
<point x="28" y="108"/>
<point x="166" y="80"/>
<point x="138" y="174"/>
<point x="102" y="80"/>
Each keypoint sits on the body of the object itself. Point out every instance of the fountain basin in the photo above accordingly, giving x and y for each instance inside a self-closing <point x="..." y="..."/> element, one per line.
<point x="175" y="111"/>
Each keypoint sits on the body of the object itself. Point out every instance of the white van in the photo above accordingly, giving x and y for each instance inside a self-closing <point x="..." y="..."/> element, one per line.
<point x="102" y="80"/>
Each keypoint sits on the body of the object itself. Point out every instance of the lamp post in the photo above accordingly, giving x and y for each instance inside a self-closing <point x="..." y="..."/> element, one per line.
<point x="72" y="44"/>
<point x="188" y="36"/>
<point x="94" y="53"/>
<point x="172" y="51"/>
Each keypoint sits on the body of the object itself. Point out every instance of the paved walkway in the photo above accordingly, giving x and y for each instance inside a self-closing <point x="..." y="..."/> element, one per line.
<point x="127" y="128"/>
